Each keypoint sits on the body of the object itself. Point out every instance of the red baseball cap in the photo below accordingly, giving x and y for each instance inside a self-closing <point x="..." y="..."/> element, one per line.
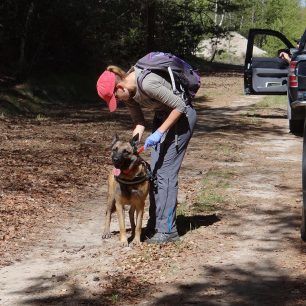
<point x="105" y="88"/>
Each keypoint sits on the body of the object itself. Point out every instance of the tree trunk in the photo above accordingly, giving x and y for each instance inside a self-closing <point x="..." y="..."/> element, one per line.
<point x="216" y="13"/>
<point x="150" y="24"/>
<point x="23" y="43"/>
<point x="215" y="49"/>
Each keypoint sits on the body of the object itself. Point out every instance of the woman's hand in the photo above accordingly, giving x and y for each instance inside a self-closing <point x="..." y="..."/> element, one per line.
<point x="139" y="129"/>
<point x="153" y="139"/>
<point x="285" y="56"/>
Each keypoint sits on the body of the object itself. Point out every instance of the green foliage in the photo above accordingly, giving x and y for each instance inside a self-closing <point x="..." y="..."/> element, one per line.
<point x="284" y="16"/>
<point x="60" y="36"/>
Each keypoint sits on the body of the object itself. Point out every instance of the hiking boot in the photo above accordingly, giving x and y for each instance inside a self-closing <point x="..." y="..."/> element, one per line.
<point x="149" y="233"/>
<point x="160" y="238"/>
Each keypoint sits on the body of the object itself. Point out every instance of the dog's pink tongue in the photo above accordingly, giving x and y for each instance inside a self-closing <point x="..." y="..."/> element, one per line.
<point x="116" y="171"/>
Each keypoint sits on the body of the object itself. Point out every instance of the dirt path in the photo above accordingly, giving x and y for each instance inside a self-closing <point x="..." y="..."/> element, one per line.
<point x="239" y="215"/>
<point x="253" y="255"/>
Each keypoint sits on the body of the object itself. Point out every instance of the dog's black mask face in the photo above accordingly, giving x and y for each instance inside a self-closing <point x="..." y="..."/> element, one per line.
<point x="122" y="155"/>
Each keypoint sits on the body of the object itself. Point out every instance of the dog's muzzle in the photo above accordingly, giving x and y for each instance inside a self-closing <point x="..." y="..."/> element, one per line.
<point x="120" y="162"/>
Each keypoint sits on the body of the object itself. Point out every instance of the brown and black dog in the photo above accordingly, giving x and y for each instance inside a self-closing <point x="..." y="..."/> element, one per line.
<point x="128" y="184"/>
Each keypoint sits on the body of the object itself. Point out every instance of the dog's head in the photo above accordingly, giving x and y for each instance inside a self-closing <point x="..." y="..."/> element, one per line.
<point x="123" y="153"/>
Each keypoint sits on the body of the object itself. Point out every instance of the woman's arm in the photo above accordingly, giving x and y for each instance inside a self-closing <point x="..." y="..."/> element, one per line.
<point x="137" y="118"/>
<point x="160" y="90"/>
<point x="156" y="137"/>
<point x="157" y="88"/>
<point x="170" y="121"/>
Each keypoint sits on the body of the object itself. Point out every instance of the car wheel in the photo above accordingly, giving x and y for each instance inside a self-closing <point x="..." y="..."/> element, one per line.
<point x="303" y="224"/>
<point x="296" y="127"/>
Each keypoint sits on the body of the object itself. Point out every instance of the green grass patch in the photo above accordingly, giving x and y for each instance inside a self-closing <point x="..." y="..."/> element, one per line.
<point x="115" y="298"/>
<point x="207" y="201"/>
<point x="182" y="209"/>
<point x="227" y="151"/>
<point x="264" y="108"/>
<point x="273" y="102"/>
<point x="213" y="191"/>
<point x="224" y="149"/>
<point x="41" y="117"/>
<point x="250" y="118"/>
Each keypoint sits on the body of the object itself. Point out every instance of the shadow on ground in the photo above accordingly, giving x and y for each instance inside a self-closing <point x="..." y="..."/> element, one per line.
<point x="189" y="223"/>
<point x="264" y="284"/>
<point x="260" y="284"/>
<point x="234" y="119"/>
<point x="62" y="290"/>
<point x="259" y="281"/>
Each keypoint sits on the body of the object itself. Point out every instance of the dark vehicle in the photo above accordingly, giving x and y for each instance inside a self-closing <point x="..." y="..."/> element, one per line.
<point x="275" y="76"/>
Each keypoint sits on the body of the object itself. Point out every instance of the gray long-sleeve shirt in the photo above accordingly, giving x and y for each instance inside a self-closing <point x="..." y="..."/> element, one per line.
<point x="156" y="94"/>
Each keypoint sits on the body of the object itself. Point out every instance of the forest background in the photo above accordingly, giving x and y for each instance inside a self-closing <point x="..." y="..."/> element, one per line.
<point x="68" y="43"/>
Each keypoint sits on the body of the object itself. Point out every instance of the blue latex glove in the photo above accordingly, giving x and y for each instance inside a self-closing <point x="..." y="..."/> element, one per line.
<point x="153" y="139"/>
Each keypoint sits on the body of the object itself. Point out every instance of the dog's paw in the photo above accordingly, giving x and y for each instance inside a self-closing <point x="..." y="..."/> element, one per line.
<point x="106" y="235"/>
<point x="124" y="243"/>
<point x="136" y="242"/>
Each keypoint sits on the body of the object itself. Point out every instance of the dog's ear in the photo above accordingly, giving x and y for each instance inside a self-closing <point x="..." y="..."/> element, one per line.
<point x="115" y="139"/>
<point x="135" y="140"/>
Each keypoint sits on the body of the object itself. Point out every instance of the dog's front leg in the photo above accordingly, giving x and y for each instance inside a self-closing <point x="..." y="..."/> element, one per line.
<point x="108" y="212"/>
<point x="139" y="216"/>
<point x="120" y="212"/>
<point x="132" y="219"/>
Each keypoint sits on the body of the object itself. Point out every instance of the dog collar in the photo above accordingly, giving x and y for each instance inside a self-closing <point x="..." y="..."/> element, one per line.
<point x="134" y="181"/>
<point x="126" y="172"/>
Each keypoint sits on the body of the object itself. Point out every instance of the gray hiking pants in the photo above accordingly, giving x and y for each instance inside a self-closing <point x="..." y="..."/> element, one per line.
<point x="166" y="160"/>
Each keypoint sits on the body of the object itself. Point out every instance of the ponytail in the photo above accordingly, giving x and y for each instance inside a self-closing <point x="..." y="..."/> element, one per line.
<point x="117" y="71"/>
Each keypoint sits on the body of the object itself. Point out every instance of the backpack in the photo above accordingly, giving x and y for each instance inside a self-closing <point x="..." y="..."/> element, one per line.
<point x="180" y="72"/>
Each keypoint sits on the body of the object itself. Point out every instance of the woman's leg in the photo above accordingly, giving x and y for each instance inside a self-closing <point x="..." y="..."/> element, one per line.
<point x="166" y="160"/>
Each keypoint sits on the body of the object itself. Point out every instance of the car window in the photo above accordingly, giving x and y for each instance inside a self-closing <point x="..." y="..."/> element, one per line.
<point x="268" y="46"/>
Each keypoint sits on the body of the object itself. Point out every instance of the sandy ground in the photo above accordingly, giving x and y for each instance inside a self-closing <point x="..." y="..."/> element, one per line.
<point x="239" y="215"/>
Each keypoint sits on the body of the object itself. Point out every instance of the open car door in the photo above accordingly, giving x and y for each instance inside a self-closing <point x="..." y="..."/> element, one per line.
<point x="265" y="75"/>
